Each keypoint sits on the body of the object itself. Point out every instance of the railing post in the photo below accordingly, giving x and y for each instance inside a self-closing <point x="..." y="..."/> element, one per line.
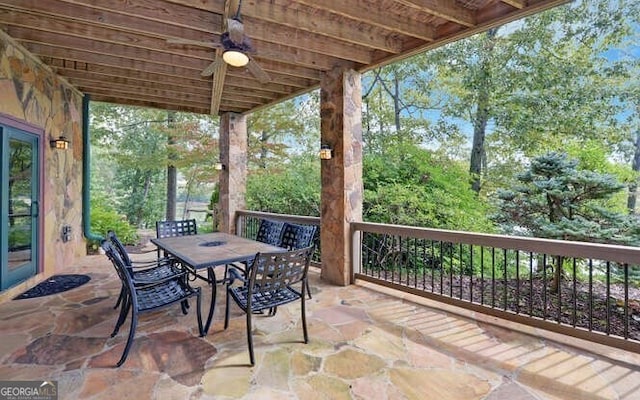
<point x="356" y="253"/>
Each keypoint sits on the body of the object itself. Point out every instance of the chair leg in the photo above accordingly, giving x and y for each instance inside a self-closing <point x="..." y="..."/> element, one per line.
<point x="132" y="331"/>
<point x="119" y="297"/>
<point x="199" y="313"/>
<point x="304" y="320"/>
<point x="124" y="310"/>
<point x="306" y="283"/>
<point x="212" y="278"/>
<point x="250" y="337"/>
<point x="184" y="304"/>
<point x="226" y="311"/>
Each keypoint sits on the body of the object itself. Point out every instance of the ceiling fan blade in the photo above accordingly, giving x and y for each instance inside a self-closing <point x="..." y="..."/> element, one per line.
<point x="257" y="71"/>
<point x="195" y="43"/>
<point x="211" y="68"/>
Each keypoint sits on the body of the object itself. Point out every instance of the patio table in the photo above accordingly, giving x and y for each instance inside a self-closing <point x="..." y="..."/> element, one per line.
<point x="209" y="250"/>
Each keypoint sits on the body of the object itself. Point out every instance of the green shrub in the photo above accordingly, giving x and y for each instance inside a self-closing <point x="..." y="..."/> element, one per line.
<point x="104" y="218"/>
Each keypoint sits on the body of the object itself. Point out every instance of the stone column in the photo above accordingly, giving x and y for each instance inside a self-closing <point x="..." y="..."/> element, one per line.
<point x="233" y="178"/>
<point x="342" y="190"/>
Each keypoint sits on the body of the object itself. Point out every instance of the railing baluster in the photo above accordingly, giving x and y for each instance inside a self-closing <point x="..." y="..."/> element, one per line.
<point x="493" y="277"/>
<point x="544" y="286"/>
<point x="433" y="266"/>
<point x="442" y="268"/>
<point x="504" y="280"/>
<point x="575" y="293"/>
<point x="530" y="284"/>
<point x="482" y="275"/>
<point x="461" y="269"/>
<point x="608" y="299"/>
<point x="471" y="273"/>
<point x="626" y="300"/>
<point x="517" y="282"/>
<point x="415" y="263"/>
<point x="590" y="294"/>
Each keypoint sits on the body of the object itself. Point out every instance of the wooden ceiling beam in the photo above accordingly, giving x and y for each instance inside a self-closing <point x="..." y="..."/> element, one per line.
<point x="376" y="16"/>
<point x="445" y="9"/>
<point x="166" y="12"/>
<point x="128" y="95"/>
<point x="141" y="90"/>
<point x="106" y="49"/>
<point x="109" y="19"/>
<point x="113" y="72"/>
<point x="283" y="13"/>
<point x="107" y="98"/>
<point x="176" y="72"/>
<point x="292" y="37"/>
<point x="519" y="4"/>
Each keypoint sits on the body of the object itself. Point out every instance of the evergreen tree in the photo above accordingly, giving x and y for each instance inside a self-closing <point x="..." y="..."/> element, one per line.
<point x="555" y="199"/>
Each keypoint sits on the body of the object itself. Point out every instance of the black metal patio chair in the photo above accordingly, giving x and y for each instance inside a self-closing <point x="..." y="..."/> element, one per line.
<point x="173" y="228"/>
<point x="270" y="284"/>
<point x="295" y="236"/>
<point x="142" y="296"/>
<point x="145" y="270"/>
<point x="269" y="232"/>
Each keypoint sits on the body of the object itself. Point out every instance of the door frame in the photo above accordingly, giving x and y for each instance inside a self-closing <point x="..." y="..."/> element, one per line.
<point x="24" y="126"/>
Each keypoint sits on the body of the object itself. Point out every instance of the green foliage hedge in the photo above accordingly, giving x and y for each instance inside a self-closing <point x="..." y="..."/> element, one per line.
<point x="105" y="218"/>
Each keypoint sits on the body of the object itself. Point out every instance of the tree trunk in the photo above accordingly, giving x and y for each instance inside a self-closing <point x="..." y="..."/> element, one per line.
<point x="145" y="196"/>
<point x="264" y="139"/>
<point x="172" y="173"/>
<point x="396" y="102"/>
<point x="633" y="188"/>
<point x="482" y="114"/>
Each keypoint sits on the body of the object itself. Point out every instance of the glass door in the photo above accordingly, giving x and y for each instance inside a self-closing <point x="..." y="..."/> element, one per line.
<point x="19" y="206"/>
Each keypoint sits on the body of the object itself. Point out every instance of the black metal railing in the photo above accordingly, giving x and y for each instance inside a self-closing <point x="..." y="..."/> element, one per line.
<point x="248" y="222"/>
<point x="586" y="290"/>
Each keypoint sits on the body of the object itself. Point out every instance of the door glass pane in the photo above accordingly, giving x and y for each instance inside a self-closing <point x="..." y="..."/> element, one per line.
<point x="20" y="194"/>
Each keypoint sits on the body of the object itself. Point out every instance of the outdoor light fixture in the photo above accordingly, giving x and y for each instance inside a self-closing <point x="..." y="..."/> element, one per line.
<point x="235" y="58"/>
<point x="60" y="143"/>
<point x="219" y="166"/>
<point x="326" y="152"/>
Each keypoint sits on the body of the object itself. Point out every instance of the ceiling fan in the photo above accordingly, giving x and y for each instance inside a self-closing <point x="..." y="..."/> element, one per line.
<point x="236" y="49"/>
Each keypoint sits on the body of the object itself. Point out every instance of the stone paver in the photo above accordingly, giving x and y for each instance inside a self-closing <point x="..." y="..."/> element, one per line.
<point x="364" y="344"/>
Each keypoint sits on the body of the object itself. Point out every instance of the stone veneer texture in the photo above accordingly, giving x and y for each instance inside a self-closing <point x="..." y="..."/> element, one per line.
<point x="32" y="94"/>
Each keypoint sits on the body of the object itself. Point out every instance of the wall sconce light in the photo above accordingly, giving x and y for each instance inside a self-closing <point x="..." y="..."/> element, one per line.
<point x="219" y="166"/>
<point x="60" y="143"/>
<point x="326" y="153"/>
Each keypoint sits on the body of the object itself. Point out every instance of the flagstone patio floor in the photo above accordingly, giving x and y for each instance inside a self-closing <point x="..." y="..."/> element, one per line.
<point x="365" y="343"/>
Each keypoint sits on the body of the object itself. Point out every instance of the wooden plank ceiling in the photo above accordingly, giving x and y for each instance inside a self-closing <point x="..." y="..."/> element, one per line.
<point x="118" y="51"/>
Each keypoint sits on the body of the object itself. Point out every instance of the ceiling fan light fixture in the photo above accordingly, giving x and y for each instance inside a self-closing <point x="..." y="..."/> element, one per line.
<point x="235" y="58"/>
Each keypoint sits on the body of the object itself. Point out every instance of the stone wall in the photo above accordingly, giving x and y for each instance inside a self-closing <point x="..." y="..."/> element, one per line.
<point x="32" y="94"/>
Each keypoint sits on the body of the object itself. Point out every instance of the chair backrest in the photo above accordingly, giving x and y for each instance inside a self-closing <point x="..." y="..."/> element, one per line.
<point x="296" y="236"/>
<point x="185" y="227"/>
<point x="273" y="271"/>
<point x="270" y="232"/>
<point x="119" y="247"/>
<point x="119" y="264"/>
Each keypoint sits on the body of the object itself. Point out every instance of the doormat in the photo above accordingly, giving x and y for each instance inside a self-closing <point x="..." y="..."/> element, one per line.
<point x="55" y="284"/>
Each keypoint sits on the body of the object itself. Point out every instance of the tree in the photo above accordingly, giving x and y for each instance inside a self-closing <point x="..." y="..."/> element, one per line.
<point x="555" y="199"/>
<point x="535" y="85"/>
<point x="134" y="147"/>
<point x="413" y="186"/>
<point x="269" y="128"/>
